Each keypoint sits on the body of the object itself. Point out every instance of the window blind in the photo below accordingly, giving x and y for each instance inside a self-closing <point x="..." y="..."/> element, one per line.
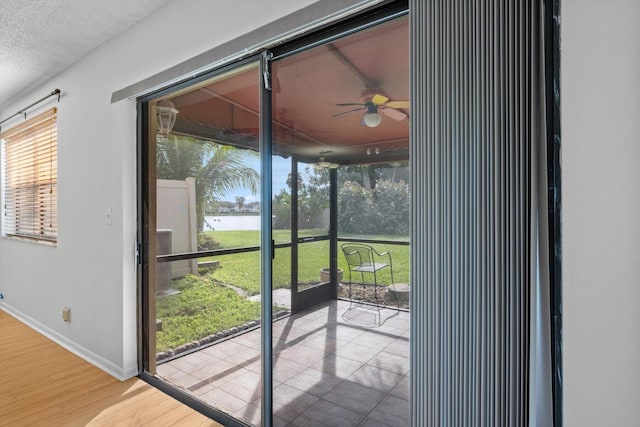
<point x="476" y="97"/>
<point x="30" y="178"/>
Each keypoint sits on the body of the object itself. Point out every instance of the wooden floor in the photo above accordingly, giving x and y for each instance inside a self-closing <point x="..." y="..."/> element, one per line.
<point x="43" y="384"/>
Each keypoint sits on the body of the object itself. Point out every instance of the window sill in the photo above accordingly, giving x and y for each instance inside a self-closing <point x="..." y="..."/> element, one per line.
<point x="29" y="240"/>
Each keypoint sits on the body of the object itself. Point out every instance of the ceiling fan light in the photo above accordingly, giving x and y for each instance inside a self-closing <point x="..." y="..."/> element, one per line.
<point x="371" y="119"/>
<point x="322" y="164"/>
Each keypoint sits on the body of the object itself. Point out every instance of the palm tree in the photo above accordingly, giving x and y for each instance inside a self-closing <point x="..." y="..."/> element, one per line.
<point x="240" y="202"/>
<point x="217" y="169"/>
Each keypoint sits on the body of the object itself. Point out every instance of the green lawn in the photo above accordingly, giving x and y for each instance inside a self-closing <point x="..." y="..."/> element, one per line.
<point x="204" y="307"/>
<point x="200" y="309"/>
<point x="243" y="270"/>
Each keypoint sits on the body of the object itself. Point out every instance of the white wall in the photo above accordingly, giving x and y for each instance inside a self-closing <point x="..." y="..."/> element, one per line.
<point x="601" y="212"/>
<point x="92" y="269"/>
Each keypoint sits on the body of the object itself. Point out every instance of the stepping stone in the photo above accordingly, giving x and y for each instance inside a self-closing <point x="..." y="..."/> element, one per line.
<point x="400" y="291"/>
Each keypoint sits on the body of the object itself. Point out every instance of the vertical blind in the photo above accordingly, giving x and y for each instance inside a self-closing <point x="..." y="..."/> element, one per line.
<point x="30" y="178"/>
<point x="475" y="95"/>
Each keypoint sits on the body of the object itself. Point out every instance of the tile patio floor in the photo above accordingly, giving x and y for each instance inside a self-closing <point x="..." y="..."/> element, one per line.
<point x="333" y="365"/>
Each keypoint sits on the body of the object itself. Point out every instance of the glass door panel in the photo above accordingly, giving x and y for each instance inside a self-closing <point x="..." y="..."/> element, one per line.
<point x="341" y="111"/>
<point x="207" y="281"/>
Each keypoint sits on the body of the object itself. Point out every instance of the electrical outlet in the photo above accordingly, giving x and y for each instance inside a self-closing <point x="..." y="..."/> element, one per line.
<point x="66" y="314"/>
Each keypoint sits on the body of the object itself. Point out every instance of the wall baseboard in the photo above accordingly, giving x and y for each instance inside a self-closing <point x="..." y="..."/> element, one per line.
<point x="119" y="372"/>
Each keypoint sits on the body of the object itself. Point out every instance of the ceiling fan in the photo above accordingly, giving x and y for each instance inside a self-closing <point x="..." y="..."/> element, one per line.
<point x="377" y="105"/>
<point x="322" y="164"/>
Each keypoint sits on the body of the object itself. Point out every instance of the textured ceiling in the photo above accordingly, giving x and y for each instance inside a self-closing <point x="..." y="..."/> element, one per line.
<point x="41" y="38"/>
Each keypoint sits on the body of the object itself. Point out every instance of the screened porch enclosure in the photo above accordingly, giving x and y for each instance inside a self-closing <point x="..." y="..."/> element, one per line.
<point x="338" y="175"/>
<point x="339" y="154"/>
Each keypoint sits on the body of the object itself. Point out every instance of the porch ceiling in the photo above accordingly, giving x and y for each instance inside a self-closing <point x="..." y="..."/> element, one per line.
<point x="306" y="88"/>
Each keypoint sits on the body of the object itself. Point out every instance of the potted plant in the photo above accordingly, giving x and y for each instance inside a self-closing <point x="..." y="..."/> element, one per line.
<point x="325" y="274"/>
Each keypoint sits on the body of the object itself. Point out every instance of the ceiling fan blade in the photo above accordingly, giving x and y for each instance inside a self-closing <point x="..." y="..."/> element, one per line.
<point x="394" y="114"/>
<point x="398" y="104"/>
<point x="378" y="99"/>
<point x="350" y="111"/>
<point x="349" y="103"/>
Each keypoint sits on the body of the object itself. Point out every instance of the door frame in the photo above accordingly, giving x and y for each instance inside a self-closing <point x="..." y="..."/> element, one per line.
<point x="146" y="203"/>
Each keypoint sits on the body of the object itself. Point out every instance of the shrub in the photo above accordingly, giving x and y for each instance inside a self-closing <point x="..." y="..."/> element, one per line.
<point x="355" y="208"/>
<point x="206" y="242"/>
<point x="392" y="207"/>
<point x="383" y="210"/>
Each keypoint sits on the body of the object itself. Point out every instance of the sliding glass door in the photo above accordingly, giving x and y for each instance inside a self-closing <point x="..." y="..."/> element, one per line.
<point x="255" y="178"/>
<point x="275" y="223"/>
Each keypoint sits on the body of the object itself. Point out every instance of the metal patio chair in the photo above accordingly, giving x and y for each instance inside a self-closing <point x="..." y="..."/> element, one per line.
<point x="365" y="261"/>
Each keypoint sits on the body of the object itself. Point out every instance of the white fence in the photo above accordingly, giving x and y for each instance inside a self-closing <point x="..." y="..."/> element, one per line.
<point x="176" y="211"/>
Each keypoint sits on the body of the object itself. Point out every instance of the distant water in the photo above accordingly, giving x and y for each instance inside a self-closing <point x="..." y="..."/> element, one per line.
<point x="230" y="223"/>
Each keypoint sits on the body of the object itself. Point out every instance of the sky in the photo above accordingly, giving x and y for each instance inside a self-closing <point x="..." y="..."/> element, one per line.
<point x="281" y="168"/>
